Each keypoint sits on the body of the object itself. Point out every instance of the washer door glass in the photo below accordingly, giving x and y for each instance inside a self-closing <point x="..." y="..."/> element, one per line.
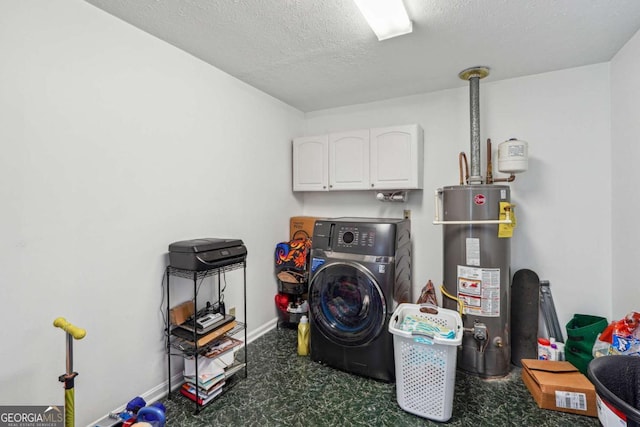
<point x="346" y="303"/>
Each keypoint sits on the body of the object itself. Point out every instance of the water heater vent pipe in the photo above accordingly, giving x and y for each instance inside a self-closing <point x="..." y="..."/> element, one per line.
<point x="473" y="75"/>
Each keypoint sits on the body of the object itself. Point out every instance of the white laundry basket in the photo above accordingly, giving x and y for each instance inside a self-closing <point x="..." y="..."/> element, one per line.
<point x="426" y="369"/>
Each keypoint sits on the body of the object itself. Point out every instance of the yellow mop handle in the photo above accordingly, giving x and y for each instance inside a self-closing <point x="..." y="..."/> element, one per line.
<point x="74" y="331"/>
<point x="69" y="408"/>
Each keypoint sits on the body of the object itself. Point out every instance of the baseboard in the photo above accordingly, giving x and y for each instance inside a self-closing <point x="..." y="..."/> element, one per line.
<point x="257" y="333"/>
<point x="160" y="391"/>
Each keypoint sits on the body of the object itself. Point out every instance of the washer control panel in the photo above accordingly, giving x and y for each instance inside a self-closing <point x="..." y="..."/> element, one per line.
<point x="356" y="236"/>
<point x="361" y="236"/>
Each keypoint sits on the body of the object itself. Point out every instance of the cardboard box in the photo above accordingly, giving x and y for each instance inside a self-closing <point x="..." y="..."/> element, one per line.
<point x="559" y="386"/>
<point x="180" y="313"/>
<point x="301" y="227"/>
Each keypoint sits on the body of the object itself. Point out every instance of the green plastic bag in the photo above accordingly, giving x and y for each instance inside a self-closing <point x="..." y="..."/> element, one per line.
<point x="582" y="332"/>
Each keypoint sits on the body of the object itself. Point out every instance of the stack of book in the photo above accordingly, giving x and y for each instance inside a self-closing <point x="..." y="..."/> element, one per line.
<point x="202" y="391"/>
<point x="209" y="382"/>
<point x="214" y="368"/>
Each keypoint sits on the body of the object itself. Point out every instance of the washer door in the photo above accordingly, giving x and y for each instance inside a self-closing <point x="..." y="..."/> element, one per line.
<point x="346" y="303"/>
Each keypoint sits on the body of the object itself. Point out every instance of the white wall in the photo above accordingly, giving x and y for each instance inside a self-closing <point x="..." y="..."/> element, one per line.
<point x="625" y="131"/>
<point x="563" y="201"/>
<point x="115" y="144"/>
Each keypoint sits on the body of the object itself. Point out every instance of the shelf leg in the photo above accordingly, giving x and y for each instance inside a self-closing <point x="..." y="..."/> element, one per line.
<point x="168" y="338"/>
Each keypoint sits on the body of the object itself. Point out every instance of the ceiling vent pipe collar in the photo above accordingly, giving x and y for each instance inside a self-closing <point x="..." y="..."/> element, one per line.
<point x="473" y="75"/>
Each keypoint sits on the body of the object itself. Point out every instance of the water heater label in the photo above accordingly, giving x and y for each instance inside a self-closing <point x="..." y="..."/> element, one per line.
<point x="479" y="199"/>
<point x="473" y="250"/>
<point x="479" y="290"/>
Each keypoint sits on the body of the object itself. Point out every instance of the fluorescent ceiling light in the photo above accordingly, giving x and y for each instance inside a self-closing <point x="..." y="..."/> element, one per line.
<point x="387" y="18"/>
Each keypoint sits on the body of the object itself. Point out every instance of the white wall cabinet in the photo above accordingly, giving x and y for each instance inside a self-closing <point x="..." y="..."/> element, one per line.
<point x="389" y="158"/>
<point x="397" y="157"/>
<point x="311" y="163"/>
<point x="349" y="160"/>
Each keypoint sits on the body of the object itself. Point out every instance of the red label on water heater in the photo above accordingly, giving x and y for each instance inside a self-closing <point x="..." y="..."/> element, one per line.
<point x="479" y="199"/>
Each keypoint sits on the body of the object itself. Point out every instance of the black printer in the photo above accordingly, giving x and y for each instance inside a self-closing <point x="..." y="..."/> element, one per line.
<point x="206" y="254"/>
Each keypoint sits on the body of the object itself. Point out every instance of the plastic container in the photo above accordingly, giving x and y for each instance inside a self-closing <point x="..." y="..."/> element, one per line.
<point x="426" y="368"/>
<point x="617" y="383"/>
<point x="560" y="347"/>
<point x="303" y="336"/>
<point x="544" y="349"/>
<point x="553" y="349"/>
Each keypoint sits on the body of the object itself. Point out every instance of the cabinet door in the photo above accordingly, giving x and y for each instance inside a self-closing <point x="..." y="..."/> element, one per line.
<point x="310" y="163"/>
<point x="397" y="158"/>
<point x="349" y="160"/>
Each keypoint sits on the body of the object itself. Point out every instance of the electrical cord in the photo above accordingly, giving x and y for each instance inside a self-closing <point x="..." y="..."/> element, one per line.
<point x="165" y="321"/>
<point x="199" y="285"/>
<point x="224" y="288"/>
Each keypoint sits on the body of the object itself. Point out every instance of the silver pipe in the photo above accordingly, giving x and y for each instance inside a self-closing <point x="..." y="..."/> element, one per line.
<point x="69" y="360"/>
<point x="474" y="96"/>
<point x="473" y="75"/>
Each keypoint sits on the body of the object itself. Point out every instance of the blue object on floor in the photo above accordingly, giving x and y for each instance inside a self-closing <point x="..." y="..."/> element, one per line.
<point x="135" y="404"/>
<point x="154" y="415"/>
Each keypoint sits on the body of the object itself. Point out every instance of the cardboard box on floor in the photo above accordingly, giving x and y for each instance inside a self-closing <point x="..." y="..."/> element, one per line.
<point x="301" y="227"/>
<point x="559" y="386"/>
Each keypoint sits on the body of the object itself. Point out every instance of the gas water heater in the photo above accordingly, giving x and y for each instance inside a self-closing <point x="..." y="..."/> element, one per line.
<point x="478" y="221"/>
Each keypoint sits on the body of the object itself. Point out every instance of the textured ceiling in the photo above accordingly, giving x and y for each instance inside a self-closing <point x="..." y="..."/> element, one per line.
<point x="319" y="54"/>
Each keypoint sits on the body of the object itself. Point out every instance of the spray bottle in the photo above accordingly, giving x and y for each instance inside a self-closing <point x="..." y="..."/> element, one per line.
<point x="303" y="336"/>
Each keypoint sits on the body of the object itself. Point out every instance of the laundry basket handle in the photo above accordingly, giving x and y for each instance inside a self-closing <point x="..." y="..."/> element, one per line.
<point x="430" y="337"/>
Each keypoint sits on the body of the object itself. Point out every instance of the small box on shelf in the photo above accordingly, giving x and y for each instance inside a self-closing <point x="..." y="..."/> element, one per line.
<point x="180" y="313"/>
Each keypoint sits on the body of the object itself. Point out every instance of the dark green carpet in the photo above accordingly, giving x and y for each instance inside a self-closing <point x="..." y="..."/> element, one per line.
<point x="284" y="389"/>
